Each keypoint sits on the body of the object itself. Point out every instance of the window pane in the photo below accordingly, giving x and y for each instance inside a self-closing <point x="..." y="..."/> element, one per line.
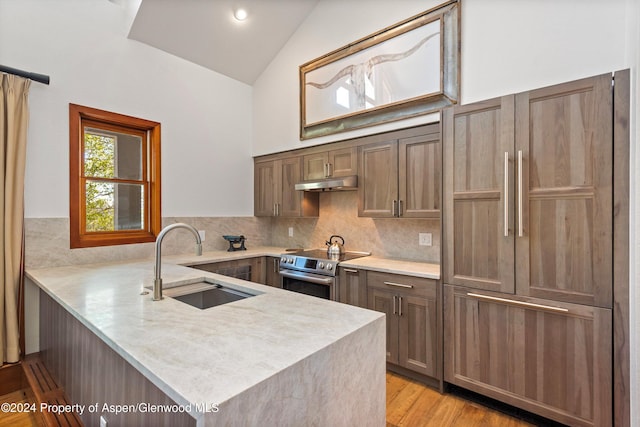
<point x="109" y="154"/>
<point x="99" y="155"/>
<point x="114" y="206"/>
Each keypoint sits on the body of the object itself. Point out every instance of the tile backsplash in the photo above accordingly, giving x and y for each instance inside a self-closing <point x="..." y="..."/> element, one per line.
<point x="47" y="239"/>
<point x="387" y="237"/>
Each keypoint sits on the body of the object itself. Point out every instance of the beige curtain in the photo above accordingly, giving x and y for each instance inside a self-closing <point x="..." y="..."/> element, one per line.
<point x="14" y="117"/>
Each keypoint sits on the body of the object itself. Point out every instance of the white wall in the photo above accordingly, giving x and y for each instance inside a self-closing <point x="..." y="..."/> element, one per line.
<point x="332" y="24"/>
<point x="507" y="46"/>
<point x="82" y="45"/>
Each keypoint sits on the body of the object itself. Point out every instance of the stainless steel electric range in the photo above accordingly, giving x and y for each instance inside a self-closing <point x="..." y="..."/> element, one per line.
<point x="313" y="272"/>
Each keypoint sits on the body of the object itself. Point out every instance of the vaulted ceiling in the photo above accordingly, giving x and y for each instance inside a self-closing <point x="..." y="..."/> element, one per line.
<point x="205" y="31"/>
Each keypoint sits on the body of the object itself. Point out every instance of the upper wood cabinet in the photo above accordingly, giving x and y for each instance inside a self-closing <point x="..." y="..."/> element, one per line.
<point x="265" y="175"/>
<point x="378" y="179"/>
<point x="327" y="164"/>
<point x="400" y="178"/>
<point x="419" y="176"/>
<point x="528" y="183"/>
<point x="274" y="192"/>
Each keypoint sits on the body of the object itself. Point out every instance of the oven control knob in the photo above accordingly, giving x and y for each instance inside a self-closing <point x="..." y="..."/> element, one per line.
<point x="321" y="265"/>
<point x="290" y="260"/>
<point x="329" y="266"/>
<point x="283" y="260"/>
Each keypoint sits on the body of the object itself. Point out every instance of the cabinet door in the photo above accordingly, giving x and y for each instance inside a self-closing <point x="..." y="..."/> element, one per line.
<point x="531" y="353"/>
<point x="387" y="303"/>
<point x="419" y="178"/>
<point x="290" y="199"/>
<point x="352" y="288"/>
<point x="272" y="275"/>
<point x="564" y="133"/>
<point x="265" y="178"/>
<point x="343" y="162"/>
<point x="378" y="180"/>
<point x="315" y="166"/>
<point x="418" y="334"/>
<point x="478" y="240"/>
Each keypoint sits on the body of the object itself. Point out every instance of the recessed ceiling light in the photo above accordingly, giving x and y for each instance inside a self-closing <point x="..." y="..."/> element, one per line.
<point x="240" y="14"/>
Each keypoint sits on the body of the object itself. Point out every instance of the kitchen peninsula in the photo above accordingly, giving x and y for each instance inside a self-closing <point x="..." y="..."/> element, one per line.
<point x="277" y="358"/>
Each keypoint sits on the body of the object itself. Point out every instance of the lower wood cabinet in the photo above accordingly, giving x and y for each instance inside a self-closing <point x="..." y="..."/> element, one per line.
<point x="251" y="269"/>
<point x="272" y="272"/>
<point x="550" y="358"/>
<point x="352" y="287"/>
<point x="411" y="309"/>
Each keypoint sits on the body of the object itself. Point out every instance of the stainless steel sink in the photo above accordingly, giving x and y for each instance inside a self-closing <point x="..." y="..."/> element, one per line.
<point x="206" y="293"/>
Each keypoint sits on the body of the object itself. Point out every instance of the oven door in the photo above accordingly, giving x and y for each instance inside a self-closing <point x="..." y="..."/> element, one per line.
<point x="309" y="284"/>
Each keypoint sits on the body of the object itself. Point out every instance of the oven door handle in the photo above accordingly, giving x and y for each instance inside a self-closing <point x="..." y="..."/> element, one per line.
<point x="320" y="280"/>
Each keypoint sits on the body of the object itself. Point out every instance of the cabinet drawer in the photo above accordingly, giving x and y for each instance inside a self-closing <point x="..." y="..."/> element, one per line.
<point x="408" y="285"/>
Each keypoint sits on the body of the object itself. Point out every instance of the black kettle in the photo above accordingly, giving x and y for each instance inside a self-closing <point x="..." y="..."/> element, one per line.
<point x="335" y="248"/>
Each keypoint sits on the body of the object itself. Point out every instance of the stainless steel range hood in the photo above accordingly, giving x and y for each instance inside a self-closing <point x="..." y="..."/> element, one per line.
<point x="330" y="184"/>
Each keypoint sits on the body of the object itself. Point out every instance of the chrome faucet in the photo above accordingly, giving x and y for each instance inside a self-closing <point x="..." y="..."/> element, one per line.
<point x="157" y="282"/>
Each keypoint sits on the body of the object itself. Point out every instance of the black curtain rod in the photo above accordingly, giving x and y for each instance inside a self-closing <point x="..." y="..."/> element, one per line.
<point x="40" y="78"/>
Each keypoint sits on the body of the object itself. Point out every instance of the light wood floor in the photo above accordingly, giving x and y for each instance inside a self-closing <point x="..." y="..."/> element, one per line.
<point x="412" y="404"/>
<point x="18" y="419"/>
<point x="409" y="403"/>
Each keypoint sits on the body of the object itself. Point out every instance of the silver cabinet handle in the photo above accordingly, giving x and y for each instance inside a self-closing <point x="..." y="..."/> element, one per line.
<point x="518" y="303"/>
<point x="399" y="208"/>
<point x="393" y="208"/>
<point x="398" y="285"/>
<point x="276" y="265"/>
<point x="275" y="213"/>
<point x="317" y="279"/>
<point x="326" y="173"/>
<point x="400" y="306"/>
<point x="329" y="171"/>
<point x="349" y="270"/>
<point x="277" y="209"/>
<point x="520" y="233"/>
<point x="506" y="194"/>
<point x="394" y="304"/>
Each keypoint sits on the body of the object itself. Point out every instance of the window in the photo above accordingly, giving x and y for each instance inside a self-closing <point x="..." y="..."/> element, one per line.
<point x="114" y="166"/>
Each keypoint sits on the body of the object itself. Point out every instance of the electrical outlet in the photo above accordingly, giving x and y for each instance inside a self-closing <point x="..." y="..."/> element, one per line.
<point x="103" y="421"/>
<point x="202" y="234"/>
<point x="290" y="231"/>
<point x="425" y="239"/>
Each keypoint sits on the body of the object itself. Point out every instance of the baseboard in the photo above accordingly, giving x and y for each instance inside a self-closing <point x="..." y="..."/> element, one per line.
<point x="428" y="381"/>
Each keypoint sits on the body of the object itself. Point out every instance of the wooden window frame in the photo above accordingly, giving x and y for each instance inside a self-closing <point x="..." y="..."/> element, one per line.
<point x="79" y="237"/>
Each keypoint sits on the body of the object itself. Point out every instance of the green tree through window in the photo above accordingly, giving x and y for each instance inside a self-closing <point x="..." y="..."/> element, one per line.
<point x="99" y="162"/>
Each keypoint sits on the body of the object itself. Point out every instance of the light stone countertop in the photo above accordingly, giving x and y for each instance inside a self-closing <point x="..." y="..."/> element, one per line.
<point x="199" y="356"/>
<point x="219" y="256"/>
<point x="386" y="265"/>
<point x="374" y="263"/>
